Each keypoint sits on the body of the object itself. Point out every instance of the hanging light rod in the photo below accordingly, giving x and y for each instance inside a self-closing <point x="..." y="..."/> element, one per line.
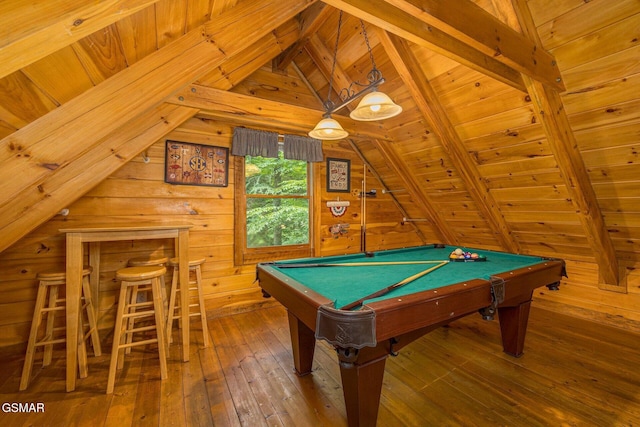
<point x="374" y="105"/>
<point x="373" y="85"/>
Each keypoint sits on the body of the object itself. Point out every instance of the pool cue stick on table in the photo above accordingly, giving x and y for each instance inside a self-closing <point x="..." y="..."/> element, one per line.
<point x="355" y="264"/>
<point x="392" y="287"/>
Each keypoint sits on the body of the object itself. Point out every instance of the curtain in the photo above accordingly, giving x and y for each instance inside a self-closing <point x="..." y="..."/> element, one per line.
<point x="255" y="142"/>
<point x="302" y="148"/>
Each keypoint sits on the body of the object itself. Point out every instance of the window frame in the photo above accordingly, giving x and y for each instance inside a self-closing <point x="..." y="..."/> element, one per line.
<point x="247" y="256"/>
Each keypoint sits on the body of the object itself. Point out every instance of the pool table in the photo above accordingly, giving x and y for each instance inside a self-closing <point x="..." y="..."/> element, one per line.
<point x="422" y="289"/>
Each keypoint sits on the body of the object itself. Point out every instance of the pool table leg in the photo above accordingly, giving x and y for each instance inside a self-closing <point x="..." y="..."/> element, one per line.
<point x="513" y="327"/>
<point x="361" y="385"/>
<point x="303" y="344"/>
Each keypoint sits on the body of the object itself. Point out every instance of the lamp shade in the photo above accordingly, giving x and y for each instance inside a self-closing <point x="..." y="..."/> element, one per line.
<point x="328" y="129"/>
<point x="375" y="106"/>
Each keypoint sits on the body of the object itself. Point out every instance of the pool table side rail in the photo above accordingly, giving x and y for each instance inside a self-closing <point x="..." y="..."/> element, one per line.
<point x="395" y="316"/>
<point x="527" y="279"/>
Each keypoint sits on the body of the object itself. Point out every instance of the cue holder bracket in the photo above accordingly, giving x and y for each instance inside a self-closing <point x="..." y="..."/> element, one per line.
<point x="346" y="329"/>
<point x="371" y="193"/>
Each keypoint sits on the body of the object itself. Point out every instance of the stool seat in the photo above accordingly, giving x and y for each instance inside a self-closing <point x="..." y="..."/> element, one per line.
<point x="140" y="273"/>
<point x="60" y="275"/>
<point x="175" y="262"/>
<point x="146" y="261"/>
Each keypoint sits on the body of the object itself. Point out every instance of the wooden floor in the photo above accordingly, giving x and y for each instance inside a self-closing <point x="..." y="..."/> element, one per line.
<point x="573" y="373"/>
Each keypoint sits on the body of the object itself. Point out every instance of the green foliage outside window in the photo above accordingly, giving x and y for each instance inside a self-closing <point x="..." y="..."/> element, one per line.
<point x="282" y="219"/>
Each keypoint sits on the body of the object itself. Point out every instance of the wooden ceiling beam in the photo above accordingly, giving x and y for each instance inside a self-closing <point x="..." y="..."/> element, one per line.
<point x="39" y="202"/>
<point x="436" y="117"/>
<point x="474" y="26"/>
<point x="41" y="28"/>
<point x="36" y="153"/>
<point x="395" y="20"/>
<point x="243" y="109"/>
<point x="310" y="20"/>
<point x="550" y="111"/>
<point x="322" y="56"/>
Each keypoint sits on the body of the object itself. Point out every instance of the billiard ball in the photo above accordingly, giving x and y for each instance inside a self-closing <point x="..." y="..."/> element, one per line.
<point x="458" y="251"/>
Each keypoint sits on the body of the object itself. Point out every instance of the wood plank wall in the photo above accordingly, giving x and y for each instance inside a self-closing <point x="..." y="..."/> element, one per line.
<point x="137" y="192"/>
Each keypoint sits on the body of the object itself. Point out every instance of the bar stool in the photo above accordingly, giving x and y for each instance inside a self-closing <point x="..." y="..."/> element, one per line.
<point x="48" y="303"/>
<point x="156" y="261"/>
<point x="128" y="308"/>
<point x="194" y="285"/>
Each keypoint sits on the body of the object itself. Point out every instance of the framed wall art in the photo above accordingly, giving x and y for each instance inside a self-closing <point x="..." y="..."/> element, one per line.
<point x="196" y="164"/>
<point x="338" y="175"/>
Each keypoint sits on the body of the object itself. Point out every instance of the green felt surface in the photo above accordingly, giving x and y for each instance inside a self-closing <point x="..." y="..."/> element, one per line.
<point x="344" y="285"/>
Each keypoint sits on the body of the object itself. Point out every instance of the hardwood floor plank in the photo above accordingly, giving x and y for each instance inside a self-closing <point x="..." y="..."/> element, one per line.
<point x="123" y="403"/>
<point x="147" y="405"/>
<point x="172" y="401"/>
<point x="226" y="337"/>
<point x="223" y="412"/>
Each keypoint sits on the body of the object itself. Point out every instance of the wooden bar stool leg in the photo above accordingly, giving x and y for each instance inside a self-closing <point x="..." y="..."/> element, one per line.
<point x="91" y="317"/>
<point x="172" y="305"/>
<point x="159" y="315"/>
<point x="83" y="365"/>
<point x="51" y="319"/>
<point x="33" y="335"/>
<point x="117" y="338"/>
<point x="203" y="312"/>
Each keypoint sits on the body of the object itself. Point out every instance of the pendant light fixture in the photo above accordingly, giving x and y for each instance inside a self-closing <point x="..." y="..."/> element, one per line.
<point x="374" y="106"/>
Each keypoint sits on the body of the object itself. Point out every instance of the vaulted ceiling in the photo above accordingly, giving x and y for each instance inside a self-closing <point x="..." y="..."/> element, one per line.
<point x="85" y="86"/>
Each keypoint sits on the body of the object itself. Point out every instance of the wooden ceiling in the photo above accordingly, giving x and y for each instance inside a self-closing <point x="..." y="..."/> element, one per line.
<point x="489" y="150"/>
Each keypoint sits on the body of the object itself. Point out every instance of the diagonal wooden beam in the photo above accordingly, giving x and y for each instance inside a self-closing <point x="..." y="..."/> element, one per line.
<point x="40" y="150"/>
<point x="40" y="202"/>
<point x="561" y="139"/>
<point x="395" y="20"/>
<point x="310" y="22"/>
<point x="33" y="30"/>
<point x="474" y="26"/>
<point x="322" y="56"/>
<point x="436" y="116"/>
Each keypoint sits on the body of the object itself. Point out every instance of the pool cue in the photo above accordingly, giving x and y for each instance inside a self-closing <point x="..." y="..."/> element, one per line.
<point x="354" y="264"/>
<point x="363" y="208"/>
<point x="392" y="287"/>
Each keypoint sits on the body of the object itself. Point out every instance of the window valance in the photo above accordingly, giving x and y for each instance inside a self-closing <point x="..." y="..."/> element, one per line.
<point x="254" y="142"/>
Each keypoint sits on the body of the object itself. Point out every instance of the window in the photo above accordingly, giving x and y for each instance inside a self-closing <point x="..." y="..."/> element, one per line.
<point x="272" y="208"/>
